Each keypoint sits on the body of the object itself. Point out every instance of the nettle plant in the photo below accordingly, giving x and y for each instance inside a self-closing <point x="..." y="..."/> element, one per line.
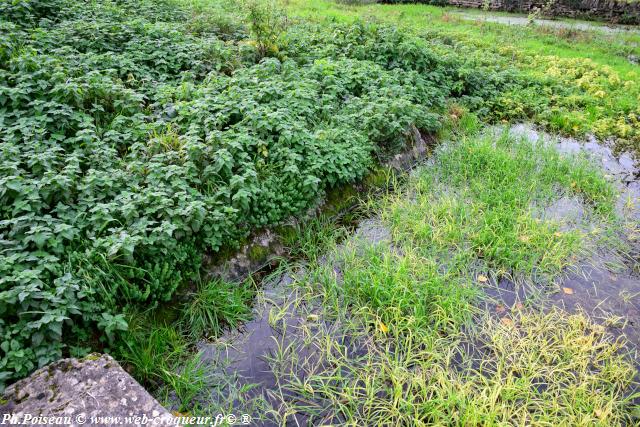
<point x="132" y="141"/>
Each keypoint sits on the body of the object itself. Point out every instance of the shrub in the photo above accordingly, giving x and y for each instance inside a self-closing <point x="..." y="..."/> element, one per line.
<point x="267" y="22"/>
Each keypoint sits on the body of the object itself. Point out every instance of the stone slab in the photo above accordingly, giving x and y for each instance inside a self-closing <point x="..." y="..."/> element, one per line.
<point x="91" y="391"/>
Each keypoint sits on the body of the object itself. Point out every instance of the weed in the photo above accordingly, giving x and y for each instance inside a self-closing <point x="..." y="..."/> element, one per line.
<point x="151" y="352"/>
<point x="313" y="238"/>
<point x="157" y="132"/>
<point x="477" y="202"/>
<point x="402" y="342"/>
<point x="187" y="381"/>
<point x="528" y="367"/>
<point x="214" y="306"/>
<point x="267" y="22"/>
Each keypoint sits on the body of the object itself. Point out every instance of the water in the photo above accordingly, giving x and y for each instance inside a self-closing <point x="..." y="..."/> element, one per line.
<point x="522" y="20"/>
<point x="277" y="342"/>
<point x="607" y="284"/>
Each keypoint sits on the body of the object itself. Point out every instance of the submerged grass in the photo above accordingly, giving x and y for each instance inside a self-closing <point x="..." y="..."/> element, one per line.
<point x="215" y="305"/>
<point x="477" y="204"/>
<point x="395" y="334"/>
<point x="538" y="369"/>
<point x="403" y="291"/>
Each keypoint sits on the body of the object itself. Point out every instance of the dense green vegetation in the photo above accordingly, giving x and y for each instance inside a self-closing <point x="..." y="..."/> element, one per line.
<point x="137" y="136"/>
<point x="570" y="81"/>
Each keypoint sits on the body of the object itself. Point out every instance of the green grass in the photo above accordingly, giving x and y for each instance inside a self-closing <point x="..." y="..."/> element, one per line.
<point x="162" y="359"/>
<point x="160" y="352"/>
<point x="477" y="202"/>
<point x="538" y="369"/>
<point x="590" y="85"/>
<point x="473" y="211"/>
<point x="216" y="305"/>
<point x="406" y="291"/>
<point x="605" y="49"/>
<point x="150" y="350"/>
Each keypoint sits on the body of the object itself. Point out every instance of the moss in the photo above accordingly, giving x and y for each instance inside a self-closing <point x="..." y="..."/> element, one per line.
<point x="286" y="233"/>
<point x="340" y="199"/>
<point x="90" y="357"/>
<point x="258" y="252"/>
<point x="378" y="177"/>
<point x="167" y="314"/>
<point x="230" y="250"/>
<point x="65" y="366"/>
<point x="54" y="392"/>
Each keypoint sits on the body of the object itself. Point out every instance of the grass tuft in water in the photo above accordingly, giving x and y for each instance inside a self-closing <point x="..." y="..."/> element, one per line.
<point x="397" y="335"/>
<point x="476" y="204"/>
<point x="216" y="305"/>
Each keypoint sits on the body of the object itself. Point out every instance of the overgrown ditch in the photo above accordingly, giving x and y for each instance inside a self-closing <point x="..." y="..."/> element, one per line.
<point x="302" y="356"/>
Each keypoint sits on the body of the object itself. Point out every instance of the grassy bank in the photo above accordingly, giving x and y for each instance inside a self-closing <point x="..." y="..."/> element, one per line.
<point x="605" y="49"/>
<point x="577" y="82"/>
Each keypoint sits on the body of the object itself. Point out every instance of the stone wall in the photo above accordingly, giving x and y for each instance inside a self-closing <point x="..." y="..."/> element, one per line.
<point x="614" y="11"/>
